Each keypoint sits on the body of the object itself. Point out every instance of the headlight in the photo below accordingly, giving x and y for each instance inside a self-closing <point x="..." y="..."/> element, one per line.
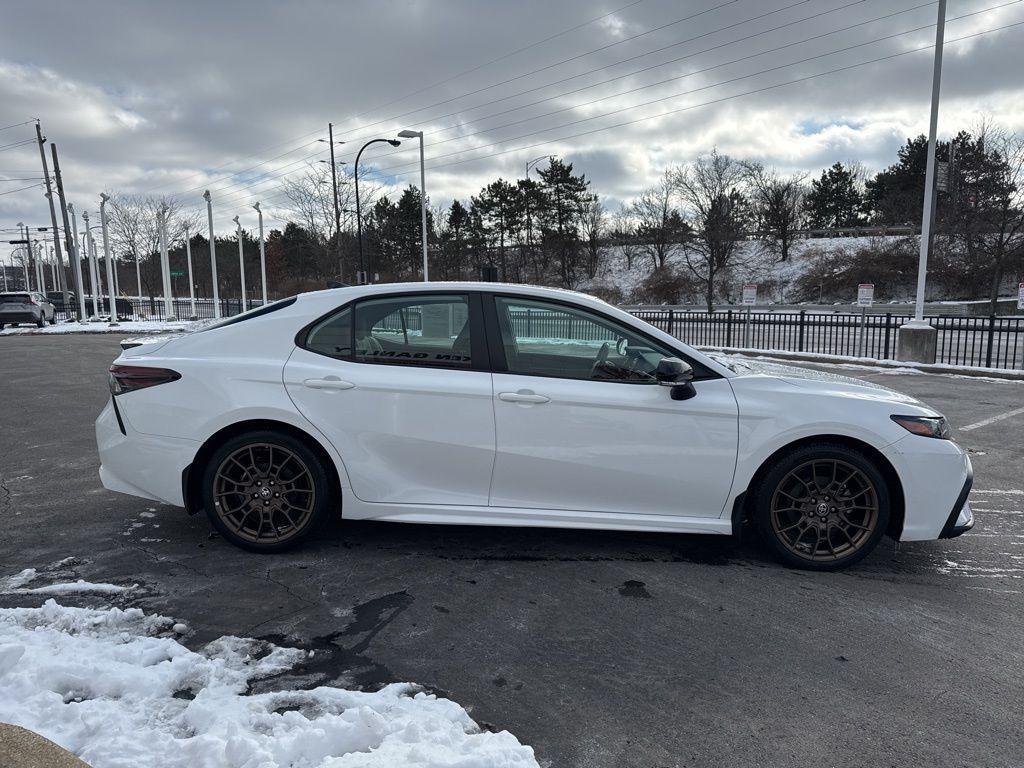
<point x="925" y="426"/>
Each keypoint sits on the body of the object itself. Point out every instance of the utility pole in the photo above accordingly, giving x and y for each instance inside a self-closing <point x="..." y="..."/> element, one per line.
<point x="62" y="282"/>
<point x="106" y="255"/>
<point x="263" y="250"/>
<point x="69" y="244"/>
<point x="337" y="211"/>
<point x="917" y="339"/>
<point x="213" y="255"/>
<point x="241" y="259"/>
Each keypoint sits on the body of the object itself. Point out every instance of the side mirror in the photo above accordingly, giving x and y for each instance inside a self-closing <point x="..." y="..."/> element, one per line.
<point x="677" y="374"/>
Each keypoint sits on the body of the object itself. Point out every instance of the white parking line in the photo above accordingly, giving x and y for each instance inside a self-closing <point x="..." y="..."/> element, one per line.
<point x="993" y="420"/>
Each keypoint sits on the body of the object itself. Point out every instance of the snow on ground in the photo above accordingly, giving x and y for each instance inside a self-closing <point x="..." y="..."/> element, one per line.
<point x="127" y="326"/>
<point x="116" y="688"/>
<point x="17" y="585"/>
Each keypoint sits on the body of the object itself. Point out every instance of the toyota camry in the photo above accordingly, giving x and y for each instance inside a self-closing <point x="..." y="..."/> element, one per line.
<point x="491" y="404"/>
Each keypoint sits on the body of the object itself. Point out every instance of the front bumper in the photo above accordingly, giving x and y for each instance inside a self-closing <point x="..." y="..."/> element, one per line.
<point x="141" y="465"/>
<point x="961" y="518"/>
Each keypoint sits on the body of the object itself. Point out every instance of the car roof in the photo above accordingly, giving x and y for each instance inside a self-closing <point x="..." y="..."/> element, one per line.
<point x="334" y="295"/>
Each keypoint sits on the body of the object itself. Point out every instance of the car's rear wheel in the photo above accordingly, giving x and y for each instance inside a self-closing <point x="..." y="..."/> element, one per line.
<point x="41" y="321"/>
<point x="265" y="491"/>
<point x="822" y="507"/>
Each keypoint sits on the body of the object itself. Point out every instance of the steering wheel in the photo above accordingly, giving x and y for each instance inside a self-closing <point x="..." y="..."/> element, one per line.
<point x="602" y="356"/>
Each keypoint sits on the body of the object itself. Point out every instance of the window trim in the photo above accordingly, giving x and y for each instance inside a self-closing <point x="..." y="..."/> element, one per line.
<point x="499" y="363"/>
<point x="478" y="344"/>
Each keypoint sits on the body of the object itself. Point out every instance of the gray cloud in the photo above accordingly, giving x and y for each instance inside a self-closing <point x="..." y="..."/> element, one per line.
<point x="174" y="97"/>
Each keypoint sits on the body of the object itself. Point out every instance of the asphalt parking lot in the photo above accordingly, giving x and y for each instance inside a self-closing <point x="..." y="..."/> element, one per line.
<point x="598" y="649"/>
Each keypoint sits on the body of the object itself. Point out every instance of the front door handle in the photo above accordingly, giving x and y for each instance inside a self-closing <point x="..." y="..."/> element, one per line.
<point x="523" y="397"/>
<point x="331" y="382"/>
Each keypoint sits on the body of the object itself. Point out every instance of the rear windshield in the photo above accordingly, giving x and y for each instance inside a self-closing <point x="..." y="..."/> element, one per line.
<point x="14" y="298"/>
<point x="252" y="313"/>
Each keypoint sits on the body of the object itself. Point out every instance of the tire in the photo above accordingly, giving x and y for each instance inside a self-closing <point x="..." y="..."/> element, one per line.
<point x="826" y="490"/>
<point x="243" y="496"/>
<point x="41" y="321"/>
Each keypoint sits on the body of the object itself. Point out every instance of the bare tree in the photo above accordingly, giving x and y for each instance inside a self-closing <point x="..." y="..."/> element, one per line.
<point x="710" y="191"/>
<point x="624" y="234"/>
<point x="659" y="225"/>
<point x="594" y="225"/>
<point x="778" y="203"/>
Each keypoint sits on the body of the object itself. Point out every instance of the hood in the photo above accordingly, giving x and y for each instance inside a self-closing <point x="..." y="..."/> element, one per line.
<point x="819" y="382"/>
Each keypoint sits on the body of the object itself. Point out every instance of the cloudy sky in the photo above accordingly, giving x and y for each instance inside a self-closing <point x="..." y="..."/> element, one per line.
<point x="177" y="97"/>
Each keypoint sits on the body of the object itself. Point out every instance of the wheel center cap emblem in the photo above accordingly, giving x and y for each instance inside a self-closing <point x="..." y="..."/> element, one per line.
<point x="265" y="493"/>
<point x="823" y="509"/>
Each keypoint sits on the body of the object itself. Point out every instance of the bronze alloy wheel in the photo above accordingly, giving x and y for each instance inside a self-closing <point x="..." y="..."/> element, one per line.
<point x="824" y="510"/>
<point x="264" y="493"/>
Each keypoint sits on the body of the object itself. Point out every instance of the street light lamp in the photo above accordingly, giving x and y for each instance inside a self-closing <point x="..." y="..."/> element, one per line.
<point x="359" y="218"/>
<point x="409" y="134"/>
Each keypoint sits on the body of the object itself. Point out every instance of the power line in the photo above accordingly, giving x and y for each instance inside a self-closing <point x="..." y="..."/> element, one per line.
<point x="441" y="82"/>
<point x="386" y="169"/>
<point x="724" y="98"/>
<point x="22" y="189"/>
<point x="16" y="125"/>
<point x="282" y="171"/>
<point x="702" y="88"/>
<point x="17" y="144"/>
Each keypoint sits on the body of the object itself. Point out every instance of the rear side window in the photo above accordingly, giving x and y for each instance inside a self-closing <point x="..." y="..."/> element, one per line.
<point x="333" y="336"/>
<point x="429" y="330"/>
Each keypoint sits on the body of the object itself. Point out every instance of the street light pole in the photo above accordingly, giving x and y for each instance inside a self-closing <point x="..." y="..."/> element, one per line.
<point x="359" y="217"/>
<point x="263" y="249"/>
<point x="213" y="255"/>
<point x="917" y="339"/>
<point x="106" y="255"/>
<point x="191" y="284"/>
<point x="79" y="279"/>
<point x="241" y="259"/>
<point x="165" y="266"/>
<point x="409" y="134"/>
<point x="90" y="256"/>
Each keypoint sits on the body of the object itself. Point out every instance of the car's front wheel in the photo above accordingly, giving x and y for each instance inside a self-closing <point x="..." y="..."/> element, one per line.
<point x="265" y="491"/>
<point x="822" y="507"/>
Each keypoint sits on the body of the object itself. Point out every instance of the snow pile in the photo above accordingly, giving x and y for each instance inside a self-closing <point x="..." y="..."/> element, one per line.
<point x="113" y="687"/>
<point x="16" y="585"/>
<point x="127" y="326"/>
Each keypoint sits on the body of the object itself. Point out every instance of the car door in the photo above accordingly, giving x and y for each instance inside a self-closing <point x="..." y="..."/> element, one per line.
<point x="582" y="424"/>
<point x="399" y="385"/>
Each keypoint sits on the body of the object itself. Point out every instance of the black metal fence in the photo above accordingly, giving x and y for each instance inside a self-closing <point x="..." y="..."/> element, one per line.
<point x="154" y="309"/>
<point x="990" y="342"/>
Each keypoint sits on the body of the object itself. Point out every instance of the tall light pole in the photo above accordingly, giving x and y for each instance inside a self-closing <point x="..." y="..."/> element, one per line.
<point x="106" y="255"/>
<point x="241" y="259"/>
<point x="263" y="250"/>
<point x="191" y="284"/>
<point x="410" y="134"/>
<point x="917" y="339"/>
<point x="61" y="280"/>
<point x="165" y="265"/>
<point x="80" y="281"/>
<point x="213" y="255"/>
<point x="337" y="210"/>
<point x="365" y="277"/>
<point x="90" y="255"/>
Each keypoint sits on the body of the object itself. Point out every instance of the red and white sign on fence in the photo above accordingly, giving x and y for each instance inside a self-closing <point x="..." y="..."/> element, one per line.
<point x="865" y="294"/>
<point x="750" y="294"/>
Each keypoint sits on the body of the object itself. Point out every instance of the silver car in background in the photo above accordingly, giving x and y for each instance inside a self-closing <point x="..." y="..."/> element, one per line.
<point x="26" y="307"/>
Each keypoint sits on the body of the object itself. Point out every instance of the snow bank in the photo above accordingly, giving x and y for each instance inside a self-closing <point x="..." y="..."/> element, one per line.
<point x="116" y="689"/>
<point x="128" y="326"/>
<point x="16" y="585"/>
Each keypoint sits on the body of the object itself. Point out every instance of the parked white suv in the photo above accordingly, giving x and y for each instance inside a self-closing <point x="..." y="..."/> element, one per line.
<point x="477" y="403"/>
<point x="26" y="307"/>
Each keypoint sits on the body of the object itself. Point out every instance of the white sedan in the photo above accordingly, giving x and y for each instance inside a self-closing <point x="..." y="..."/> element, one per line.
<point x="490" y="404"/>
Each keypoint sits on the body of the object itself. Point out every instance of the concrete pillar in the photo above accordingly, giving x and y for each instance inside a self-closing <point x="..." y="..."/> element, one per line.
<point x="917" y="342"/>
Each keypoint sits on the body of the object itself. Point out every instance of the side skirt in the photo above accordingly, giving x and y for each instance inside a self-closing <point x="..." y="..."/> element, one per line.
<point x="354" y="509"/>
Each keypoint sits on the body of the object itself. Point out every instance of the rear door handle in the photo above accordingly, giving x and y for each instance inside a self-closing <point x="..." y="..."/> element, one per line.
<point x="523" y="397"/>
<point x="331" y="382"/>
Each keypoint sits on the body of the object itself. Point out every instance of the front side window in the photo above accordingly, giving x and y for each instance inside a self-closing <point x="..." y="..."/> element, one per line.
<point x="547" y="339"/>
<point x="414" y="330"/>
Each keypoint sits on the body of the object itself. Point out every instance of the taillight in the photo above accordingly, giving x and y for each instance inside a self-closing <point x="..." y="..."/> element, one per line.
<point x="128" y="378"/>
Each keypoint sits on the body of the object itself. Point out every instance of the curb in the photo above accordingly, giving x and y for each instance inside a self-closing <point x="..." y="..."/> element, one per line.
<point x="936" y="368"/>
